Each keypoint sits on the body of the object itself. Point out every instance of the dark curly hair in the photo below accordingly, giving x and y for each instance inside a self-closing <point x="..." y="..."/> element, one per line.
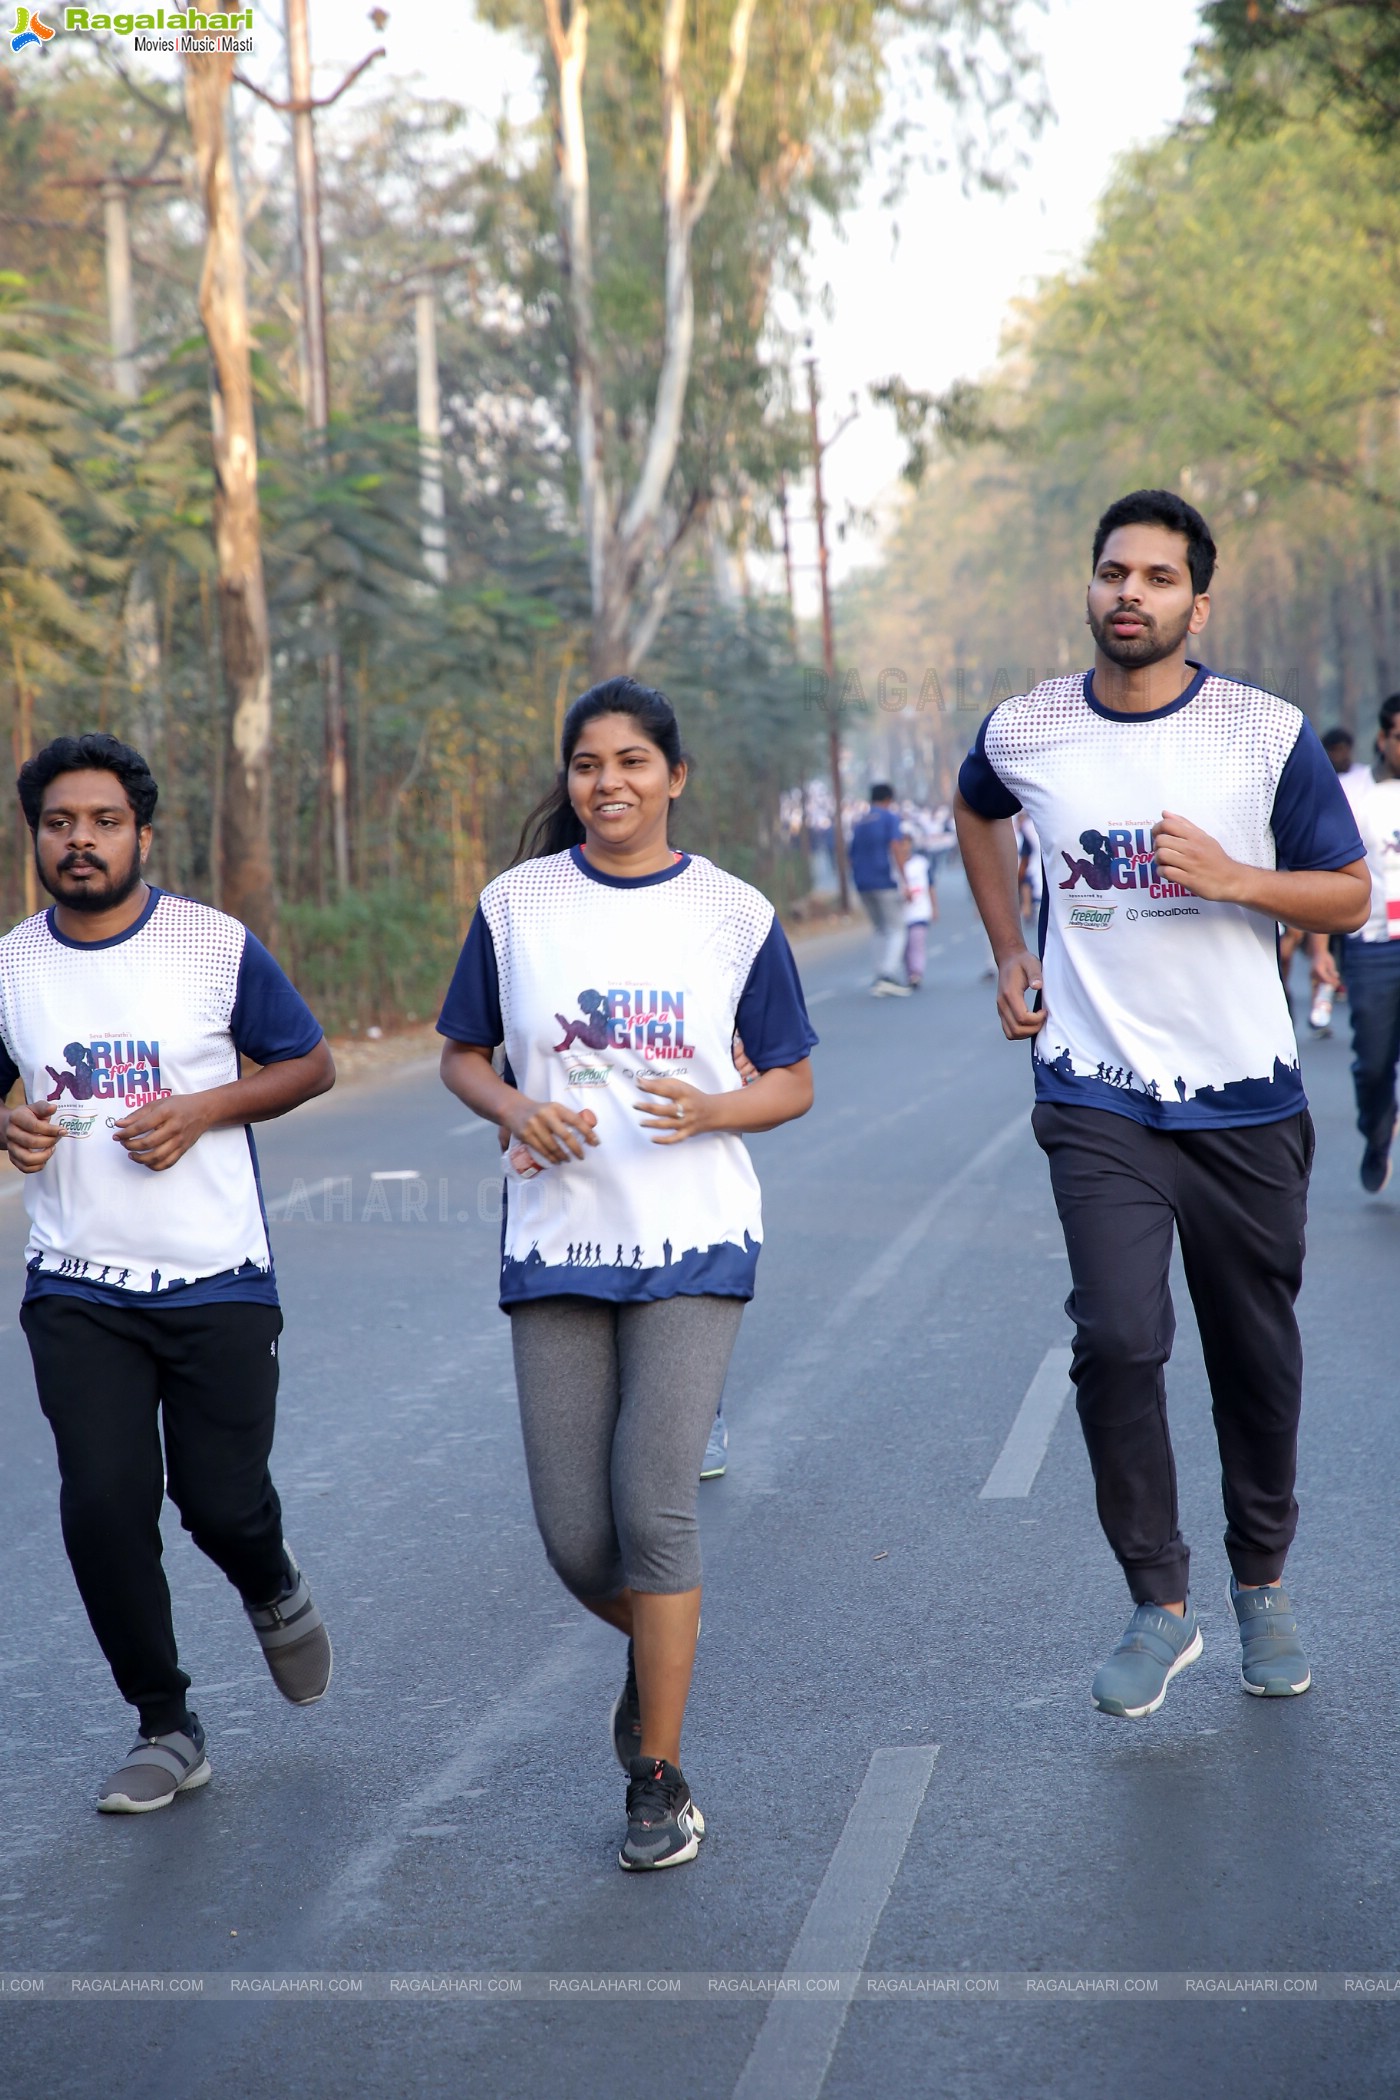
<point x="95" y="752"/>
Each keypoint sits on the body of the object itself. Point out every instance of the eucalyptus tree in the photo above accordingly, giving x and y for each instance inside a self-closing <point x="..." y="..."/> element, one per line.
<point x="739" y="122"/>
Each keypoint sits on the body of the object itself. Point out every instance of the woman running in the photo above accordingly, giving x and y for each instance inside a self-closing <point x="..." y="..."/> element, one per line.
<point x="615" y="970"/>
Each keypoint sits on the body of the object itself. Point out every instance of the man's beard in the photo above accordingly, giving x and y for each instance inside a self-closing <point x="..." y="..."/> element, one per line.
<point x="91" y="896"/>
<point x="1134" y="652"/>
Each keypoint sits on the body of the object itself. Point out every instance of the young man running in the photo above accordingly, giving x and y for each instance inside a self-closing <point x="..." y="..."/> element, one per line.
<point x="150" y="1290"/>
<point x="879" y="851"/>
<point x="1181" y="817"/>
<point x="1371" y="958"/>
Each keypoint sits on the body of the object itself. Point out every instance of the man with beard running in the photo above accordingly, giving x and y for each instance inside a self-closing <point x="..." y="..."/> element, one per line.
<point x="1181" y="816"/>
<point x="150" y="1299"/>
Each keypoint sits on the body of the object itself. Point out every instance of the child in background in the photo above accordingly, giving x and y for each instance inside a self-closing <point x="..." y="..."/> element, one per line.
<point x="918" y="910"/>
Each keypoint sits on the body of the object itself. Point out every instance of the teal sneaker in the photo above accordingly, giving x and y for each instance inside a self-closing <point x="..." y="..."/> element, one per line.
<point x="1272" y="1662"/>
<point x="1155" y="1645"/>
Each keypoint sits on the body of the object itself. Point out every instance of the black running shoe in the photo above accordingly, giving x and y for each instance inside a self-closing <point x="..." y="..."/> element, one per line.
<point x="627" y="1718"/>
<point x="664" y="1827"/>
<point x="1375" y="1167"/>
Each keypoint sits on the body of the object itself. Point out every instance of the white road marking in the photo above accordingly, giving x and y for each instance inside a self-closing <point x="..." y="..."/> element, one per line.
<point x="816" y="998"/>
<point x="798" y="2038"/>
<point x="885" y="1267"/>
<point x="1029" y="1437"/>
<point x="396" y="1174"/>
<point x="299" y="1193"/>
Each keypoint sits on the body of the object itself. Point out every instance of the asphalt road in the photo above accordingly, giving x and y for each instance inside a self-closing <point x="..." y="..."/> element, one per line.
<point x="911" y="1803"/>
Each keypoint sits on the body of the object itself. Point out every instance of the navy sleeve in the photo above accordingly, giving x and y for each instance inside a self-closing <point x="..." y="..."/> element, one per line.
<point x="1313" y="825"/>
<point x="980" y="785"/>
<point x="471" y="1012"/>
<point x="772" y="1015"/>
<point x="270" y="1021"/>
<point x="9" y="1072"/>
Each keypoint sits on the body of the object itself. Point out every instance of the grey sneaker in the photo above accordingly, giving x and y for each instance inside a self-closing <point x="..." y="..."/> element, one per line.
<point x="1272" y="1662"/>
<point x="664" y="1827"/>
<point x="627" y="1718"/>
<point x="1155" y="1645"/>
<point x="157" y="1769"/>
<point x="716" y="1457"/>
<point x="294" y="1641"/>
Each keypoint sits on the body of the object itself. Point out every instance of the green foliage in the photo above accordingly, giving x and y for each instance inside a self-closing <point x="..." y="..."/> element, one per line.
<point x="60" y="526"/>
<point x="1230" y="332"/>
<point x="740" y="695"/>
<point x="1265" y="61"/>
<point x="379" y="956"/>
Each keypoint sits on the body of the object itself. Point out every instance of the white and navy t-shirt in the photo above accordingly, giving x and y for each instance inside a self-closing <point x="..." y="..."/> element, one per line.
<point x="590" y="980"/>
<point x="1162" y="1006"/>
<point x="1376" y="807"/>
<point x="102" y="1027"/>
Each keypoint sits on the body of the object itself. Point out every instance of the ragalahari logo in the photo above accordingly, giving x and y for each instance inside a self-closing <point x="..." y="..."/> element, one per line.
<point x="29" y="29"/>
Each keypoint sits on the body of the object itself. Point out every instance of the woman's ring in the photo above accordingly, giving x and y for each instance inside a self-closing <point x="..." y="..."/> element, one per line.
<point x="680" y="1111"/>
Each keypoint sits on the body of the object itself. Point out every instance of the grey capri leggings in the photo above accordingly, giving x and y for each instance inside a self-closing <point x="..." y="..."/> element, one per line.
<point x="616" y="1403"/>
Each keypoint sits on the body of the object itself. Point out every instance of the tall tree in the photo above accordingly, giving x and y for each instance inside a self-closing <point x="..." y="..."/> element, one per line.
<point x="746" y="120"/>
<point x="247" y="886"/>
<point x="1260" y="57"/>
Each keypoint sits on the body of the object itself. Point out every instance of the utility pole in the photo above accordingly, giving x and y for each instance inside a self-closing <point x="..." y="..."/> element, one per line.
<point x="300" y="107"/>
<point x="787" y="559"/>
<point x="833" y="712"/>
<point x="121" y="320"/>
<point x="140" y="639"/>
<point x="431" y="499"/>
<point x="317" y="402"/>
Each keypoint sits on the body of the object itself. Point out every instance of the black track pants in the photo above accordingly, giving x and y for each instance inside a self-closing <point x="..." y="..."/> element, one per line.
<point x="109" y="1378"/>
<point x="1238" y="1200"/>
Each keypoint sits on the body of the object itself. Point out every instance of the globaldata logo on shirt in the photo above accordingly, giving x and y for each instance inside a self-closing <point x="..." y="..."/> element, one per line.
<point x="1120" y="858"/>
<point x="111" y="1068"/>
<point x="642" y="1018"/>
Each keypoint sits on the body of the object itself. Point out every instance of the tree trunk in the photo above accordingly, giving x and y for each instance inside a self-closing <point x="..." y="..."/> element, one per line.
<point x="634" y="551"/>
<point x="246" y="845"/>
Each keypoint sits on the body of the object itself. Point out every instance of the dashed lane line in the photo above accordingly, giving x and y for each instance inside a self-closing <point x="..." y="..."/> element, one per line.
<point x="1028" y="1439"/>
<point x="300" y="1193"/>
<point x="795" y="2045"/>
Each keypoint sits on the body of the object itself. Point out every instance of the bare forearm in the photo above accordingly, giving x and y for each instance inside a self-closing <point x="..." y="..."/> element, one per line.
<point x="775" y="1097"/>
<point x="992" y="863"/>
<point x="1319" y="900"/>
<point x="468" y="1073"/>
<point x="271" y="1092"/>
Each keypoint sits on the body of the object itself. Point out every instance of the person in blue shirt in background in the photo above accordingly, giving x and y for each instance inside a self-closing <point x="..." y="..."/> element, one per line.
<point x="879" y="850"/>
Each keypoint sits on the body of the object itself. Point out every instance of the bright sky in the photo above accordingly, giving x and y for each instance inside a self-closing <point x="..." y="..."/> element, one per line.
<point x="929" y="305"/>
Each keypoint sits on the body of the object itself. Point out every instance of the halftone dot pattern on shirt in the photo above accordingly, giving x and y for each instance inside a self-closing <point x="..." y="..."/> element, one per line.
<point x="1162" y="1004"/>
<point x="729" y="917"/>
<point x="197" y="945"/>
<point x="1241" y="733"/>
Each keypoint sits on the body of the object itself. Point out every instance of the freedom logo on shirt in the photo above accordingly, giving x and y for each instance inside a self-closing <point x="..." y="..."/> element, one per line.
<point x="108" y="1069"/>
<point x="644" y="1019"/>
<point x="72" y="1124"/>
